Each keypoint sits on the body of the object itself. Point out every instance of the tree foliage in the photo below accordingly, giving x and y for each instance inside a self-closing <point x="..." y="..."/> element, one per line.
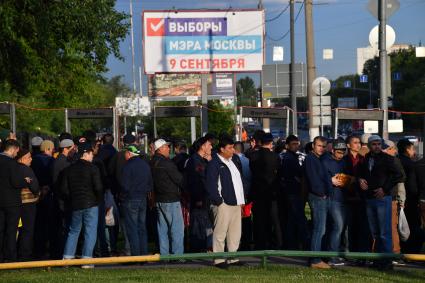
<point x="53" y="54"/>
<point x="246" y="92"/>
<point x="409" y="92"/>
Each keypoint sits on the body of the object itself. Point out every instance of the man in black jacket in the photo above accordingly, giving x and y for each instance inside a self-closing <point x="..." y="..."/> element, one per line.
<point x="291" y="173"/>
<point x="136" y="185"/>
<point x="168" y="182"/>
<point x="420" y="179"/>
<point x="200" y="224"/>
<point x="61" y="215"/>
<point x="406" y="150"/>
<point x="11" y="183"/>
<point x="81" y="186"/>
<point x="264" y="164"/>
<point x="378" y="176"/>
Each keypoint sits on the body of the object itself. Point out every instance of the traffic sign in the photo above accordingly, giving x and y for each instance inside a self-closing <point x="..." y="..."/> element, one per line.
<point x="392" y="7"/>
<point x="326" y="111"/>
<point x="347" y="84"/>
<point x="321" y="86"/>
<point x="326" y="121"/>
<point x="363" y="78"/>
<point x="326" y="100"/>
<point x="276" y="80"/>
<point x="420" y="51"/>
<point x="374" y="37"/>
<point x="397" y="76"/>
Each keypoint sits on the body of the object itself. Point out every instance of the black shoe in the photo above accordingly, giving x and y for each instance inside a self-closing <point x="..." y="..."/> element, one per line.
<point x="222" y="265"/>
<point x="239" y="264"/>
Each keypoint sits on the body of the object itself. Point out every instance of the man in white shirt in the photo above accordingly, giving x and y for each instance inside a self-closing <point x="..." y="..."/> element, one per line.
<point x="225" y="191"/>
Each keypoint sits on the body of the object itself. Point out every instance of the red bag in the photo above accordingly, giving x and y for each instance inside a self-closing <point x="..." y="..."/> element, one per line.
<point x="246" y="210"/>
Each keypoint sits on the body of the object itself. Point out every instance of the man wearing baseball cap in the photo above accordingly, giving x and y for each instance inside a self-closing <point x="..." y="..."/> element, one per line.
<point x="35" y="144"/>
<point x="378" y="175"/>
<point x="398" y="194"/>
<point x="81" y="187"/>
<point x="168" y="182"/>
<point x="136" y="184"/>
<point x="334" y="166"/>
<point x="60" y="215"/>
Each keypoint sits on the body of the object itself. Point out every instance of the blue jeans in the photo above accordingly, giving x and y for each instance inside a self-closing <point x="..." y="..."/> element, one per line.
<point x="135" y="224"/>
<point x="319" y="211"/>
<point x="337" y="214"/>
<point x="87" y="217"/>
<point x="379" y="217"/>
<point x="170" y="227"/>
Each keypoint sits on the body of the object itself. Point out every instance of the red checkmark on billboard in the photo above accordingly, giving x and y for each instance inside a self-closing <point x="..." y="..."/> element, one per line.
<point x="155" y="26"/>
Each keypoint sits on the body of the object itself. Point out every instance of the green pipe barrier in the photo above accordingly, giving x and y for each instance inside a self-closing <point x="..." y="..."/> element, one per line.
<point x="268" y="253"/>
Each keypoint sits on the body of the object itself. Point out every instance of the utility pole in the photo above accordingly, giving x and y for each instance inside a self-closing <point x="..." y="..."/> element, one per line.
<point x="382" y="6"/>
<point x="204" y="102"/>
<point x="293" y="91"/>
<point x="311" y="66"/>
<point x="132" y="46"/>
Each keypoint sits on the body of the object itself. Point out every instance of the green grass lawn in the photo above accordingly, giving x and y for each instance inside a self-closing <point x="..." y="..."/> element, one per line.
<point x="273" y="273"/>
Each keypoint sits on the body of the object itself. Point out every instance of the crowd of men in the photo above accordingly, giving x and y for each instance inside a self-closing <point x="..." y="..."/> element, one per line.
<point x="79" y="196"/>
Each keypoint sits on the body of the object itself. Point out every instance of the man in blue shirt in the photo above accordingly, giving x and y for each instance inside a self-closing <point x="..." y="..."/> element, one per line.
<point x="136" y="184"/>
<point x="317" y="179"/>
<point x="335" y="164"/>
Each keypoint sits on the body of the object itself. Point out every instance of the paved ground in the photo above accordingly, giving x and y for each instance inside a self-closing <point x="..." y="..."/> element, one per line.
<point x="251" y="261"/>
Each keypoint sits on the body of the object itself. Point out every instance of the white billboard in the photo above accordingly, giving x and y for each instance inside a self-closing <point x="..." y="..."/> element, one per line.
<point x="203" y="41"/>
<point x="133" y="106"/>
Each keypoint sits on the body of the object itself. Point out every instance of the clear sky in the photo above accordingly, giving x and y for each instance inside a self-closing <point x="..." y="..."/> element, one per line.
<point x="342" y="25"/>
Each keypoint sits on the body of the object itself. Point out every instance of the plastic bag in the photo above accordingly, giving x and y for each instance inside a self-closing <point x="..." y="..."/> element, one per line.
<point x="109" y="217"/>
<point x="403" y="226"/>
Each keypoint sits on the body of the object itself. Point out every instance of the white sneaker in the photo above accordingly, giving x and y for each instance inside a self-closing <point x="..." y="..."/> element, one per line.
<point x="87" y="266"/>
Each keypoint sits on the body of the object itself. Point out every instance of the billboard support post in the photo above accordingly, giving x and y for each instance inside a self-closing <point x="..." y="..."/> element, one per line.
<point x="240" y="120"/>
<point x="193" y="125"/>
<point x="155" y="132"/>
<point x="336" y="124"/>
<point x="287" y="121"/>
<point x="204" y="97"/>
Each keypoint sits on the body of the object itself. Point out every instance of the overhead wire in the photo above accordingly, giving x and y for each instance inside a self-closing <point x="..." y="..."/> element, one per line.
<point x="287" y="32"/>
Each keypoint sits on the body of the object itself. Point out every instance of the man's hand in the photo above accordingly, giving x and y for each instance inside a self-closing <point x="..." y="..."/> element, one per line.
<point x="28" y="180"/>
<point x="336" y="182"/>
<point x="363" y="184"/>
<point x="379" y="193"/>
